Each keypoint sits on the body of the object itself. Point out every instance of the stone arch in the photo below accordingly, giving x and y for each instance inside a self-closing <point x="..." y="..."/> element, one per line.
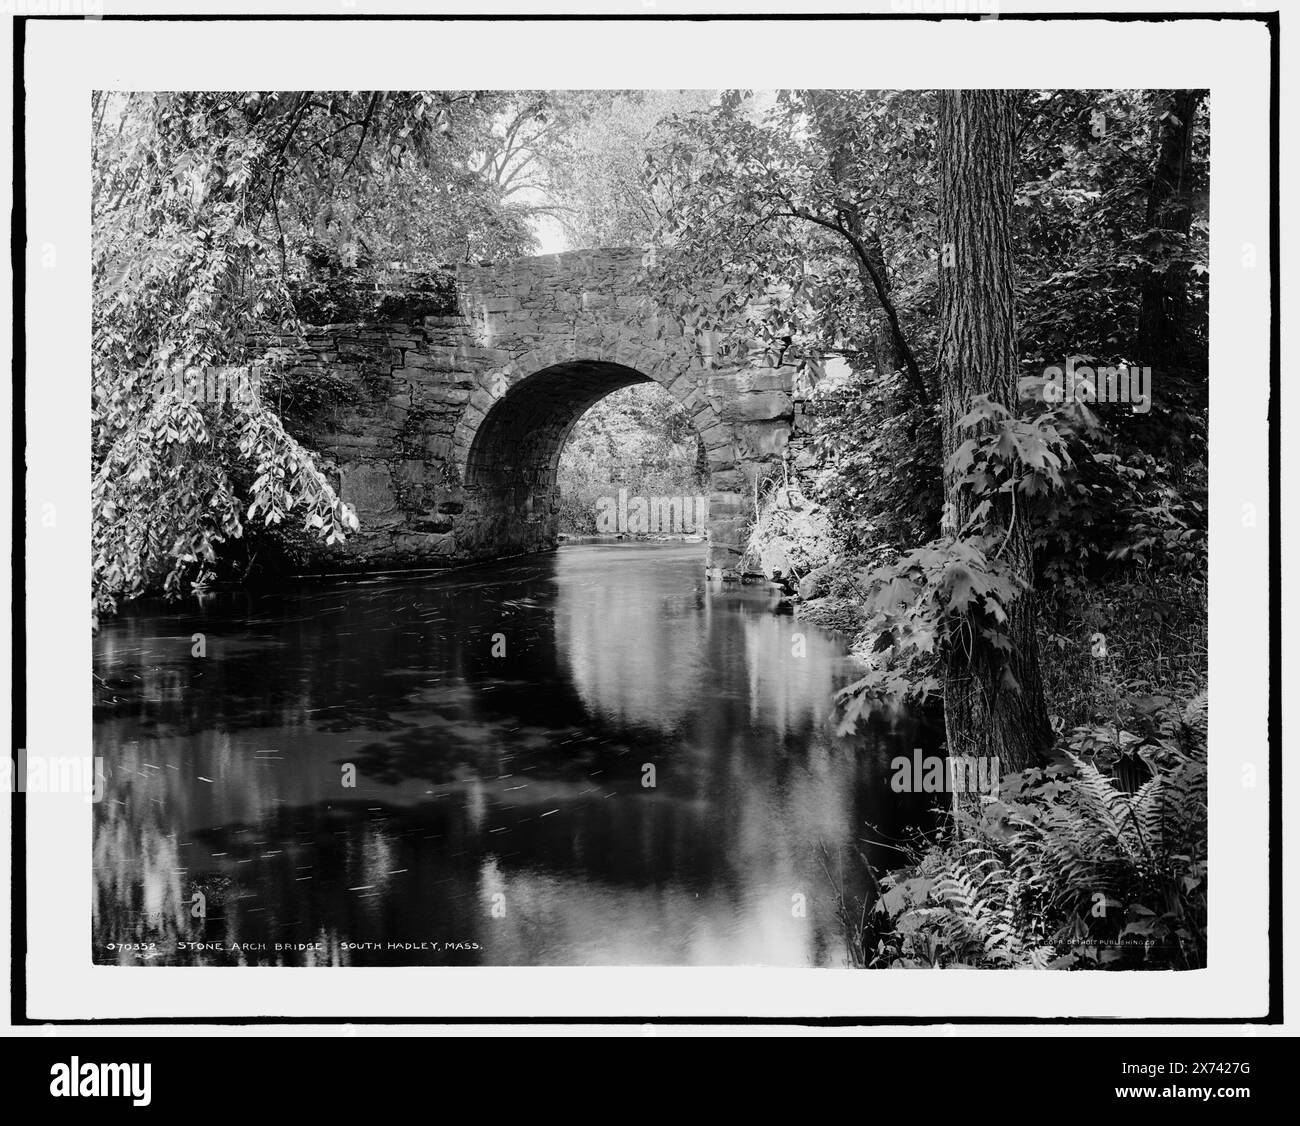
<point x="666" y="367"/>
<point x="509" y="441"/>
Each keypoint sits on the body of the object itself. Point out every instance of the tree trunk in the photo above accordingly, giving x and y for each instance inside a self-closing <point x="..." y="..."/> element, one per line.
<point x="885" y="355"/>
<point x="1162" y="338"/>
<point x="994" y="706"/>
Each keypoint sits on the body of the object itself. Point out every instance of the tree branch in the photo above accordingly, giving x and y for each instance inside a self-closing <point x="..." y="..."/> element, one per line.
<point x="365" y="127"/>
<point x="881" y="294"/>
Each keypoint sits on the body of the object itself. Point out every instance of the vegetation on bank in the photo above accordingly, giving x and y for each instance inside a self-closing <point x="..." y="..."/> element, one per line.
<point x="1068" y="867"/>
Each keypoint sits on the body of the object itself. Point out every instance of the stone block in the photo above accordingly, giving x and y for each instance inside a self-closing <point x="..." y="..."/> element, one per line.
<point x="764" y="439"/>
<point x="440" y="447"/>
<point x="411" y="472"/>
<point x="431" y="524"/>
<point x="426" y="544"/>
<point x="441" y="395"/>
<point x="804" y="423"/>
<point x="368" y="485"/>
<point x="715" y="436"/>
<point x="764" y="405"/>
<point x="727" y="481"/>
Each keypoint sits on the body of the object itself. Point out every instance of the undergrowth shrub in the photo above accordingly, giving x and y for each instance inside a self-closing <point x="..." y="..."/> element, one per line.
<point x="1064" y="868"/>
<point x="789" y="537"/>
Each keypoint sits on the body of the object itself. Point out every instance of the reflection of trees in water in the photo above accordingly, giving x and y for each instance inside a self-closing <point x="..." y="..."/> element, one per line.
<point x="636" y="656"/>
<point x="366" y="875"/>
<point x="329" y="657"/>
<point x="519" y="773"/>
<point x="138" y="882"/>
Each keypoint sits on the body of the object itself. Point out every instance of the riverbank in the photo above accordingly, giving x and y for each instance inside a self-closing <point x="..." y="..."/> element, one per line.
<point x="1096" y="859"/>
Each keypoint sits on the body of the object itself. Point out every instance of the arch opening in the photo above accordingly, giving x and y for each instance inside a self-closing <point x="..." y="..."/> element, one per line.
<point x="511" y="470"/>
<point x="634" y="464"/>
<point x="517" y="446"/>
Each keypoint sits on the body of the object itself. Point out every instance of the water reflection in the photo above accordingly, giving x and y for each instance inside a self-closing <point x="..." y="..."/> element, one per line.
<point x="453" y="771"/>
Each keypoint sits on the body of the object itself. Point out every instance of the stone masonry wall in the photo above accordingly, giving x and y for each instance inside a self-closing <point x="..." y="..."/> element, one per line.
<point x="444" y="431"/>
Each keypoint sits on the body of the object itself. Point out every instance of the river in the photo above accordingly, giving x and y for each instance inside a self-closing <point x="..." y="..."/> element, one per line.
<point x="591" y="757"/>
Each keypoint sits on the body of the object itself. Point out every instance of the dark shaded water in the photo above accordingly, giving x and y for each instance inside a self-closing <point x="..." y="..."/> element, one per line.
<point x="499" y="813"/>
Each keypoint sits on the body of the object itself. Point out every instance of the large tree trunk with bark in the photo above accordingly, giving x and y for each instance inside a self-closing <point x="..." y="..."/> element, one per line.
<point x="993" y="701"/>
<point x="1166" y="336"/>
<point x="1162" y="335"/>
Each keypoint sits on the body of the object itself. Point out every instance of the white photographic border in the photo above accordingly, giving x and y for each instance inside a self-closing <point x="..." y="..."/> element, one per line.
<point x="66" y="60"/>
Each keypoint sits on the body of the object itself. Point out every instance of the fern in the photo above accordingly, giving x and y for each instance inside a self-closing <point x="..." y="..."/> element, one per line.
<point x="971" y="915"/>
<point x="1097" y="848"/>
<point x="1071" y="871"/>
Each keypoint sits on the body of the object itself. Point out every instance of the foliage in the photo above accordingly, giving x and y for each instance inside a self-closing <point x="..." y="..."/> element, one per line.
<point x="198" y="202"/>
<point x="1089" y="511"/>
<point x="1112" y="652"/>
<point x="790" y="535"/>
<point x="638" y="438"/>
<point x="955" y="591"/>
<point x="1084" y="244"/>
<point x="1065" y="869"/>
<point x="1122" y="505"/>
<point x="962" y="906"/>
<point x="427" y="217"/>
<point x="878" y="465"/>
<point x="767" y="194"/>
<point x="593" y="160"/>
<point x="761" y="208"/>
<point x="420" y="178"/>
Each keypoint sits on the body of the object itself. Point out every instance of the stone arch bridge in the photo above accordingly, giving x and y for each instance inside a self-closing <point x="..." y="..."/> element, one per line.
<point x="446" y="430"/>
